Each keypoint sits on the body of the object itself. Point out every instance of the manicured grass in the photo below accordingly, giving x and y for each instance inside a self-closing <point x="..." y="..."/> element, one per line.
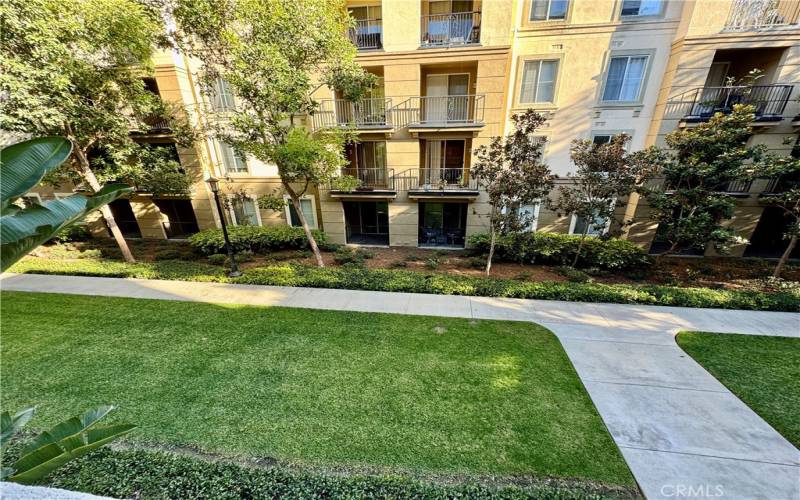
<point x="392" y="280"/>
<point x="309" y="387"/>
<point x="763" y="371"/>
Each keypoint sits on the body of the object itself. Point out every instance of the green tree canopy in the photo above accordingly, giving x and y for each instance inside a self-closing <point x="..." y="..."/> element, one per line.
<point x="75" y="68"/>
<point x="274" y="55"/>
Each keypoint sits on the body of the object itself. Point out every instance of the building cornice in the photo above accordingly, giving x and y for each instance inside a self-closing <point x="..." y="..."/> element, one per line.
<point x="380" y="57"/>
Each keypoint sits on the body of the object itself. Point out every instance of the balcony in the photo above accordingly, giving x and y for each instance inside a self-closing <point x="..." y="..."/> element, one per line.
<point x="434" y="182"/>
<point x="700" y="104"/>
<point x="759" y="15"/>
<point x="451" y="29"/>
<point x="376" y="182"/>
<point x="367" y="34"/>
<point x="451" y="112"/>
<point x="366" y="114"/>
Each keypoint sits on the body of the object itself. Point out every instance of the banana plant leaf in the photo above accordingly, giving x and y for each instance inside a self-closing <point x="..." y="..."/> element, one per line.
<point x="11" y="425"/>
<point x="25" y="230"/>
<point x="25" y="164"/>
<point x="70" y="439"/>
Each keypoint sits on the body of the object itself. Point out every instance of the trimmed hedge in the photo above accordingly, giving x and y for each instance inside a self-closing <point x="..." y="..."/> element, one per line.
<point x="396" y="280"/>
<point x="256" y="239"/>
<point x="149" y="474"/>
<point x="611" y="254"/>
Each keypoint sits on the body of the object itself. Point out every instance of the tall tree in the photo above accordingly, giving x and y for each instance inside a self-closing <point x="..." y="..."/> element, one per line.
<point x="604" y="174"/>
<point x="273" y="55"/>
<point x="693" y="203"/>
<point x="513" y="174"/>
<point x="75" y="68"/>
<point x="786" y="172"/>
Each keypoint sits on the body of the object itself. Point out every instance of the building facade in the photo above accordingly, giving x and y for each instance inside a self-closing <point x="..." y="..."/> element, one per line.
<point x="451" y="74"/>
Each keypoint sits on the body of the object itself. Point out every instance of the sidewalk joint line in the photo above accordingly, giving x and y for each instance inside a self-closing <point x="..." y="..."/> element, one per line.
<point x="686" y="453"/>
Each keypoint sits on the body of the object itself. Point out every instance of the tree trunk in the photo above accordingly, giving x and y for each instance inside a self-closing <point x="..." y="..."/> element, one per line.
<point x="785" y="257"/>
<point x="580" y="246"/>
<point x="311" y="241"/>
<point x="91" y="179"/>
<point x="492" y="240"/>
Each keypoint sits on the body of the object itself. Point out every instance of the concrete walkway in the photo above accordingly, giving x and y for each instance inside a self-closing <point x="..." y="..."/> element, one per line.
<point x="682" y="433"/>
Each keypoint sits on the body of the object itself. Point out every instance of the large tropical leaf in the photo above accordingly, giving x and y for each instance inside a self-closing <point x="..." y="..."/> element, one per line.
<point x="11" y="425"/>
<point x="23" y="165"/>
<point x="25" y="230"/>
<point x="70" y="439"/>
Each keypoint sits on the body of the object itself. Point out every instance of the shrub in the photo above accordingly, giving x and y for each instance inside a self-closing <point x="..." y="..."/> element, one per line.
<point x="111" y="253"/>
<point x="365" y="253"/>
<point x="346" y="255"/>
<point x="477" y="262"/>
<point x="574" y="275"/>
<point x="398" y="264"/>
<point x="217" y="259"/>
<point x="327" y="246"/>
<point x="75" y="232"/>
<point x="559" y="249"/>
<point x="257" y="239"/>
<point x="432" y="263"/>
<point x="168" y="254"/>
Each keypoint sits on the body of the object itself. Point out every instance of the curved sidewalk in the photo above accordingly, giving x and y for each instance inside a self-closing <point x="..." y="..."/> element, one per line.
<point x="680" y="430"/>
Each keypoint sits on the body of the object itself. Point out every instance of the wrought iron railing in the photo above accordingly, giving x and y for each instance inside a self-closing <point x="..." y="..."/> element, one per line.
<point x="447" y="111"/>
<point x="778" y="185"/>
<point x="753" y="15"/>
<point x="365" y="113"/>
<point x="371" y="178"/>
<point x="455" y="28"/>
<point x="702" y="103"/>
<point x="737" y="187"/>
<point x="367" y="34"/>
<point x="436" y="179"/>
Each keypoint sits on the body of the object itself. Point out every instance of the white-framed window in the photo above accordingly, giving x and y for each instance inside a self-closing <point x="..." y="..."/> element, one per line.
<point x="232" y="163"/>
<point x="309" y="211"/>
<point x="223" y="99"/>
<point x="604" y="137"/>
<point x="639" y="8"/>
<point x="531" y="211"/>
<point x="598" y="226"/>
<point x="538" y="81"/>
<point x="244" y="211"/>
<point x="625" y="78"/>
<point x="549" y="10"/>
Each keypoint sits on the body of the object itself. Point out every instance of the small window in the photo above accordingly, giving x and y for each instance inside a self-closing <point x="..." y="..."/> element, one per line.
<point x="597" y="225"/>
<point x="532" y="213"/>
<point x="538" y="81"/>
<point x="232" y="162"/>
<point x="307" y="205"/>
<point x="601" y="139"/>
<point x="632" y="8"/>
<point x="625" y="78"/>
<point x="549" y="10"/>
<point x="245" y="211"/>
<point x="223" y="96"/>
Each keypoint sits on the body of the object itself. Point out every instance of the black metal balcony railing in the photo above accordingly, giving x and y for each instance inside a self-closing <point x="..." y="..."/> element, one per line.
<point x="455" y="28"/>
<point x="365" y="113"/>
<point x="754" y="15"/>
<point x="367" y="34"/>
<point x="371" y="178"/>
<point x="702" y="103"/>
<point x="443" y="111"/>
<point x="737" y="187"/>
<point x="778" y="185"/>
<point x="436" y="179"/>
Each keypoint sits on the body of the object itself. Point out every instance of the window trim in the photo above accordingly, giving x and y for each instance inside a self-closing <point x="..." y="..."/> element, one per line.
<point x="535" y="222"/>
<point x="223" y="168"/>
<point x="216" y="102"/>
<point x="518" y="103"/>
<point x="648" y="66"/>
<point x="612" y="132"/>
<point x="573" y="221"/>
<point x="662" y="9"/>
<point x="538" y="22"/>
<point x="288" y="213"/>
<point x="232" y="213"/>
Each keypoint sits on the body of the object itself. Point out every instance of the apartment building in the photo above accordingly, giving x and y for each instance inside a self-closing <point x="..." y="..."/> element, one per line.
<point x="452" y="72"/>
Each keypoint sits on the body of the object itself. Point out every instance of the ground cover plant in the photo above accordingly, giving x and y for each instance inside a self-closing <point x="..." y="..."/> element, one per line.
<point x="313" y="387"/>
<point x="357" y="277"/>
<point x="762" y="371"/>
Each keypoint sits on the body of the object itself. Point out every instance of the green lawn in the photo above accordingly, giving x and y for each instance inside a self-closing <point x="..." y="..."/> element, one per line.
<point x="763" y="371"/>
<point x="327" y="388"/>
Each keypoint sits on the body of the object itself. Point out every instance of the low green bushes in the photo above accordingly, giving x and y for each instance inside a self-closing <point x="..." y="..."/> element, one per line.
<point x="397" y="280"/>
<point x="559" y="249"/>
<point x="148" y="474"/>
<point x="256" y="239"/>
